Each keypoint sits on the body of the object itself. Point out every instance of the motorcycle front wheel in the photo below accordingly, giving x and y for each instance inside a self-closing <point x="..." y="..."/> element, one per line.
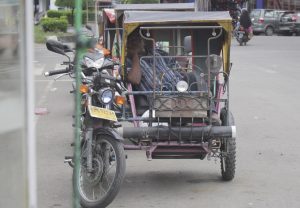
<point x="98" y="188"/>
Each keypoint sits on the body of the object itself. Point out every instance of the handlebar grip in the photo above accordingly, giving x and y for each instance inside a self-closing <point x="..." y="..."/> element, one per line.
<point x="54" y="72"/>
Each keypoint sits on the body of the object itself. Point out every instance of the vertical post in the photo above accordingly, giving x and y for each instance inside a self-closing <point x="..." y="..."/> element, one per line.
<point x="30" y="133"/>
<point x="87" y="11"/>
<point x="79" y="51"/>
<point x="97" y="33"/>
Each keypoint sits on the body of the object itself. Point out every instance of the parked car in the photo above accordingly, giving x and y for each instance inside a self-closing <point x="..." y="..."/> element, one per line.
<point x="296" y="25"/>
<point x="289" y="23"/>
<point x="266" y="20"/>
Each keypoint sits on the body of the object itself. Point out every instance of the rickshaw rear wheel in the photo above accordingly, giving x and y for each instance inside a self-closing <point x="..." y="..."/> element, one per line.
<point x="229" y="147"/>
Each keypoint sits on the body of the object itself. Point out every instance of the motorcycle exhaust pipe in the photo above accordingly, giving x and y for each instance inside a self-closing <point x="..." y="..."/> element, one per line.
<point x="174" y="133"/>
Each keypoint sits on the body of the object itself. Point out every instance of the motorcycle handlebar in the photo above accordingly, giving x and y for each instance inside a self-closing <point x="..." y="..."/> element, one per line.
<point x="54" y="72"/>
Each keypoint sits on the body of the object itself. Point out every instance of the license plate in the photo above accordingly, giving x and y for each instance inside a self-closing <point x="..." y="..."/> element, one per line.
<point x="103" y="113"/>
<point x="241" y="35"/>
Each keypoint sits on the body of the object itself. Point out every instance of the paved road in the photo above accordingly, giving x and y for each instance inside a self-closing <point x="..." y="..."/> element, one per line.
<point x="265" y="101"/>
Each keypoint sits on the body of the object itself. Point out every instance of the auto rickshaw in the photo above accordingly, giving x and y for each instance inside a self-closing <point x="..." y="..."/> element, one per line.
<point x="176" y="121"/>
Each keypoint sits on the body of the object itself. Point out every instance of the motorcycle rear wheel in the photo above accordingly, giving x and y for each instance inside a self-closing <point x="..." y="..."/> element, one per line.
<point x="99" y="187"/>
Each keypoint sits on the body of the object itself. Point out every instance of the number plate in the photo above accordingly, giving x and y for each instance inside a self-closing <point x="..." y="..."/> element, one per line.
<point x="103" y="113"/>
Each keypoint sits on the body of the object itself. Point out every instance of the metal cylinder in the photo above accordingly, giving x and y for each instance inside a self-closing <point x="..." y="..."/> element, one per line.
<point x="175" y="133"/>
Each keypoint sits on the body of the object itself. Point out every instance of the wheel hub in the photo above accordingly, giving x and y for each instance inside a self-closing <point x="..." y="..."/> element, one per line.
<point x="94" y="177"/>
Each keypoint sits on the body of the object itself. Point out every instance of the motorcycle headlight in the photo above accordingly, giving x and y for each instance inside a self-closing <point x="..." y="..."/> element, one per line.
<point x="106" y="95"/>
<point x="98" y="63"/>
<point x="182" y="86"/>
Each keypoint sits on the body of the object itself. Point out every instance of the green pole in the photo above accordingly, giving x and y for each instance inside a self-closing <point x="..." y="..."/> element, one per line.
<point x="79" y="53"/>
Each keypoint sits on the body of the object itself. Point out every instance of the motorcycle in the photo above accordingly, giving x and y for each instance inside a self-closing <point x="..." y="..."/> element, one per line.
<point x="242" y="35"/>
<point x="102" y="158"/>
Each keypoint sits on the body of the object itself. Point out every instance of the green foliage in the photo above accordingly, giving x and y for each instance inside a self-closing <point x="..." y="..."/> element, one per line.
<point x="139" y="1"/>
<point x="68" y="15"/>
<point x="54" y="25"/>
<point x="54" y="13"/>
<point x="65" y="3"/>
<point x="40" y="36"/>
<point x="64" y="17"/>
<point x="71" y="3"/>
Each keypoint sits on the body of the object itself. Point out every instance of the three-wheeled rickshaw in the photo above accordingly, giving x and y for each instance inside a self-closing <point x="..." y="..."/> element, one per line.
<point x="183" y="113"/>
<point x="175" y="120"/>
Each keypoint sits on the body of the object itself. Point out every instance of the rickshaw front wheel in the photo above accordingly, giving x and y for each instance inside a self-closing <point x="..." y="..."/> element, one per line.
<point x="228" y="147"/>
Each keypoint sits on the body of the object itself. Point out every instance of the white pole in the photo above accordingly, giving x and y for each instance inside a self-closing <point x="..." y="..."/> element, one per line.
<point x="30" y="125"/>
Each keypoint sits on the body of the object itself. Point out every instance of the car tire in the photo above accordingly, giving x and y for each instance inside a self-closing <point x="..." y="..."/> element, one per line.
<point x="269" y="31"/>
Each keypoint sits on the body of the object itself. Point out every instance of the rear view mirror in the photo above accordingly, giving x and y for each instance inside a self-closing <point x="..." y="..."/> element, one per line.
<point x="187" y="43"/>
<point x="67" y="48"/>
<point x="56" y="47"/>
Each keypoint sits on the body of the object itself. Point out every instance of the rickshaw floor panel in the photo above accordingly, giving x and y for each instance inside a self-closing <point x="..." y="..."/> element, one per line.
<point x="179" y="152"/>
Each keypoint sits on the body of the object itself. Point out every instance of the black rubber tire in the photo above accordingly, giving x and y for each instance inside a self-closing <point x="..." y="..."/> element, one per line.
<point x="269" y="31"/>
<point x="228" y="163"/>
<point x="118" y="179"/>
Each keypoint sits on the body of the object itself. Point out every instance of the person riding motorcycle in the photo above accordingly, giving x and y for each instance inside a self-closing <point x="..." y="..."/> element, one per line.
<point x="245" y="23"/>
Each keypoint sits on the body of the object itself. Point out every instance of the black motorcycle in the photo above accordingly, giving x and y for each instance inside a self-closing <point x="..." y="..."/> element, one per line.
<point x="102" y="162"/>
<point x="241" y="35"/>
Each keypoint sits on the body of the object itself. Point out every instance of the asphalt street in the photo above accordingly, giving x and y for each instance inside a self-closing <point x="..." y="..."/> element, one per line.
<point x="265" y="102"/>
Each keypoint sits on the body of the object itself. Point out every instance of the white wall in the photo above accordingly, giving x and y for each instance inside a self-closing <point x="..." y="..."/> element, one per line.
<point x="52" y="5"/>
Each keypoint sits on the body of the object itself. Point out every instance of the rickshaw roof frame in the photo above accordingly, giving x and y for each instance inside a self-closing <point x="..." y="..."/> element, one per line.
<point x="134" y="19"/>
<point x="155" y="7"/>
